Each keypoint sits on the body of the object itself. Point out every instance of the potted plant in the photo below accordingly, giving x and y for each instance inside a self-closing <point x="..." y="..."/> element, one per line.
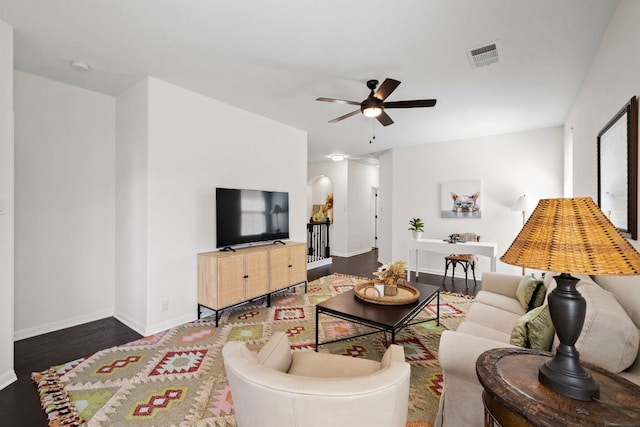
<point x="417" y="226"/>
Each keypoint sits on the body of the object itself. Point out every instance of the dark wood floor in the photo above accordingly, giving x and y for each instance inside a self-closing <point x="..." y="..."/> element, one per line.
<point x="19" y="404"/>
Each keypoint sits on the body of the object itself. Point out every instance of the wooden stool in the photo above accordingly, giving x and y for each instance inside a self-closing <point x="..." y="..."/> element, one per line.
<point x="466" y="261"/>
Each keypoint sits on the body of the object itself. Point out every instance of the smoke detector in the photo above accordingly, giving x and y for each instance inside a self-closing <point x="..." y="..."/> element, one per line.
<point x="80" y="66"/>
<point x="484" y="55"/>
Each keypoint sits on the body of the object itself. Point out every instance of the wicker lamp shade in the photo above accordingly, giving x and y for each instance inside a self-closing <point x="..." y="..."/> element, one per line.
<point x="572" y="236"/>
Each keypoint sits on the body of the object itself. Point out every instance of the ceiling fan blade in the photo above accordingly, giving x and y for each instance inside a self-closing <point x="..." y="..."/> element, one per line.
<point x="338" y="101"/>
<point x="346" y="116"/>
<point x="384" y="119"/>
<point x="385" y="89"/>
<point x="411" y="104"/>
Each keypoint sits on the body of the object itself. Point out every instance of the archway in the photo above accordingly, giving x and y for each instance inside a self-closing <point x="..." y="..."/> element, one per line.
<point x="320" y="211"/>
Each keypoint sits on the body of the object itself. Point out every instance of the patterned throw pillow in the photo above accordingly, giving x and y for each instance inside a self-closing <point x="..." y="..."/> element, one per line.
<point x="530" y="292"/>
<point x="534" y="330"/>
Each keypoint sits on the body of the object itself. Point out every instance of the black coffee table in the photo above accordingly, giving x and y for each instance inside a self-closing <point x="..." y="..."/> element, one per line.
<point x="384" y="318"/>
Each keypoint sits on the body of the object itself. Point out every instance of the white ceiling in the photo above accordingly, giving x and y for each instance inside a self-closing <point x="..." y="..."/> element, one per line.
<point x="275" y="57"/>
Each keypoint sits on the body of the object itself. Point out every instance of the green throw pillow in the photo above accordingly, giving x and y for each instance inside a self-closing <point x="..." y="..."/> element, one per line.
<point x="530" y="292"/>
<point x="534" y="330"/>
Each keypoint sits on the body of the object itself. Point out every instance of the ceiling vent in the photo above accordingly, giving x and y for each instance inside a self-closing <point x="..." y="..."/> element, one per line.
<point x="484" y="55"/>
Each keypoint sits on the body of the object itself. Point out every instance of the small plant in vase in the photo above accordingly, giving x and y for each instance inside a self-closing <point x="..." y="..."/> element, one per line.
<point x="390" y="275"/>
<point x="417" y="226"/>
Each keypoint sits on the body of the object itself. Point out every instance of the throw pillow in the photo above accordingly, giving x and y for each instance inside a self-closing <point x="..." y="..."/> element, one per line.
<point x="530" y="292"/>
<point x="609" y="337"/>
<point x="534" y="330"/>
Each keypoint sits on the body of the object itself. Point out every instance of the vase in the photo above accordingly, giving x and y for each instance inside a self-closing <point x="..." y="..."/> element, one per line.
<point x="390" y="287"/>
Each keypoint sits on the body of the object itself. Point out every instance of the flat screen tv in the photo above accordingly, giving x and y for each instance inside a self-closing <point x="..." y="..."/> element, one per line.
<point x="244" y="217"/>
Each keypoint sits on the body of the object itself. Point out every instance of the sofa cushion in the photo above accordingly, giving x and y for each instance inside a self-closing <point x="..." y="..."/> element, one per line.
<point x="482" y="331"/>
<point x="530" y="292"/>
<point x="326" y="365"/>
<point x="276" y="354"/>
<point x="492" y="317"/>
<point x="534" y="330"/>
<point x="500" y="301"/>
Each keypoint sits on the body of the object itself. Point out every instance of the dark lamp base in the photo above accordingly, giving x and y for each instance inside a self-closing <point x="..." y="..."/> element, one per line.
<point x="564" y="373"/>
<point x="570" y="384"/>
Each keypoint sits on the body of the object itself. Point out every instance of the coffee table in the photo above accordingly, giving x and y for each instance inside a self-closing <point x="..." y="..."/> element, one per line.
<point x="383" y="318"/>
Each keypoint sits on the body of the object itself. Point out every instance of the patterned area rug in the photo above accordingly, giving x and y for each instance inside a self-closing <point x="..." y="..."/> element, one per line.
<point x="176" y="377"/>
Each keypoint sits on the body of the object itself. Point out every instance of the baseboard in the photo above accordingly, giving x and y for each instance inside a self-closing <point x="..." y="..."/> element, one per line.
<point x="146" y="331"/>
<point x="319" y="263"/>
<point x="172" y="323"/>
<point x="131" y="323"/>
<point x="61" y="324"/>
<point x="8" y="378"/>
<point x="350" y="254"/>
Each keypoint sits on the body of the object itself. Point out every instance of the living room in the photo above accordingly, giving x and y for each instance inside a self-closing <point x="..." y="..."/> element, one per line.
<point x="138" y="175"/>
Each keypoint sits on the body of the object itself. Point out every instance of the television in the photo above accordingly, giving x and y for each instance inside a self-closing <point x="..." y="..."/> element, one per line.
<point x="244" y="217"/>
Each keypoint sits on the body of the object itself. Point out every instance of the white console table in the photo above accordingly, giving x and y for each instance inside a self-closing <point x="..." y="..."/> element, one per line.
<point x="441" y="246"/>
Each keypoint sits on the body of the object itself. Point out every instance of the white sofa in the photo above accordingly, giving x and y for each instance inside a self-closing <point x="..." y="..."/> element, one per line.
<point x="280" y="388"/>
<point x="610" y="337"/>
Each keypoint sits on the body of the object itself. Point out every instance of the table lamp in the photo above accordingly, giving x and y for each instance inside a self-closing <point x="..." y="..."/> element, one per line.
<point x="570" y="236"/>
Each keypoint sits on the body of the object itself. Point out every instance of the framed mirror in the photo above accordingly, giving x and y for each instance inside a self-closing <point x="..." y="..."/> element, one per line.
<point x="618" y="169"/>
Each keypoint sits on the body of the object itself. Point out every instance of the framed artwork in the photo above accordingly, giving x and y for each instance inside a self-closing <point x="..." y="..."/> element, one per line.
<point x="460" y="199"/>
<point x="320" y="213"/>
<point x="618" y="169"/>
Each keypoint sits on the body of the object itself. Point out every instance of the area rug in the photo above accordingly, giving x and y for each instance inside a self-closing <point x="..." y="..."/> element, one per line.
<point x="177" y="378"/>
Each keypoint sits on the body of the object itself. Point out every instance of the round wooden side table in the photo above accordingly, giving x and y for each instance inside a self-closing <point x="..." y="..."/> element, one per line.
<point x="513" y="396"/>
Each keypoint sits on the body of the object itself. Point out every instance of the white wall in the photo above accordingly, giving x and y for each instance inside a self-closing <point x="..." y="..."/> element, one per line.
<point x="362" y="179"/>
<point x="318" y="187"/>
<point x="507" y="165"/>
<point x="195" y="144"/>
<point x="7" y="373"/>
<point x="612" y="80"/>
<point x="132" y="223"/>
<point x="65" y="206"/>
<point x="385" y="207"/>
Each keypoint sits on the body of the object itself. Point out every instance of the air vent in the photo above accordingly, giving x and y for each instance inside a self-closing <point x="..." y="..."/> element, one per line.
<point x="484" y="55"/>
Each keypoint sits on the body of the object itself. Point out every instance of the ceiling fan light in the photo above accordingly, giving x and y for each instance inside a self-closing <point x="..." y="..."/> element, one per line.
<point x="372" y="111"/>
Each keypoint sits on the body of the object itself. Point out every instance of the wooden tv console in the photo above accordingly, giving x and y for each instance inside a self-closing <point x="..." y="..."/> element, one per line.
<point x="228" y="279"/>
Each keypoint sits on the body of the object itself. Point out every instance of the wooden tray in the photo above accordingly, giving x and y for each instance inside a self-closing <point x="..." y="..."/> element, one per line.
<point x="406" y="294"/>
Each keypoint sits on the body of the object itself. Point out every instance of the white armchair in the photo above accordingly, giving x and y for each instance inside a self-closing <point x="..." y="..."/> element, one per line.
<point x="278" y="387"/>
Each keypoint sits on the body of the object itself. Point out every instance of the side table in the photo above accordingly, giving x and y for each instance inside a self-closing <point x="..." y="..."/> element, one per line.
<point x="513" y="396"/>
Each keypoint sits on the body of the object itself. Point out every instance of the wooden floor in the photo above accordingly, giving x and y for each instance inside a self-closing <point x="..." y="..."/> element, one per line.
<point x="19" y="404"/>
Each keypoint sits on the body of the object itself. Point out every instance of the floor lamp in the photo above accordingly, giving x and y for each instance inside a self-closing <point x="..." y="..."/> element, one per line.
<point x="522" y="205"/>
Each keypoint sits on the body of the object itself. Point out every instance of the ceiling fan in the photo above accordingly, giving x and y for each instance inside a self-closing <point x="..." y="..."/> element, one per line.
<point x="374" y="105"/>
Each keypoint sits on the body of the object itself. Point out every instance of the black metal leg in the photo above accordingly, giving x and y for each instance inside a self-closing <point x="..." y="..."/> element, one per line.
<point x="466" y="275"/>
<point x="473" y="270"/>
<point x="453" y="271"/>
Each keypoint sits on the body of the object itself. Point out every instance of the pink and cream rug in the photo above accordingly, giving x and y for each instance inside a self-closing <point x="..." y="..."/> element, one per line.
<point x="177" y="377"/>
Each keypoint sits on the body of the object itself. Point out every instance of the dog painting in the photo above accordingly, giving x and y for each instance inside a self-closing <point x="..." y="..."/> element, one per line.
<point x="460" y="199"/>
<point x="464" y="203"/>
